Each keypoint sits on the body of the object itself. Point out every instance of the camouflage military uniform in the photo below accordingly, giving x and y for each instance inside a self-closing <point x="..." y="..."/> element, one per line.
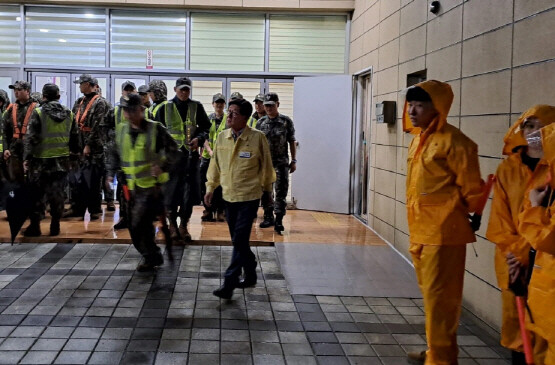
<point x="85" y="192"/>
<point x="4" y="102"/>
<point x="48" y="176"/>
<point x="15" y="145"/>
<point x="280" y="132"/>
<point x="160" y="96"/>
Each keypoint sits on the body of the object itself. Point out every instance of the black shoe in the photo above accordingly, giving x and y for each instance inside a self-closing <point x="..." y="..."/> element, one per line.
<point x="72" y="213"/>
<point x="54" y="228"/>
<point x="267" y="222"/>
<point x="110" y="206"/>
<point x="223" y="292"/>
<point x="33" y="230"/>
<point x="247" y="283"/>
<point x="416" y="357"/>
<point x="279" y="224"/>
<point x="122" y="224"/>
<point x="150" y="264"/>
<point x="94" y="216"/>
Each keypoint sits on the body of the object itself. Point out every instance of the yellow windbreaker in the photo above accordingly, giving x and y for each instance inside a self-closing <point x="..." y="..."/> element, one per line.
<point x="243" y="168"/>
<point x="443" y="178"/>
<point x="537" y="225"/>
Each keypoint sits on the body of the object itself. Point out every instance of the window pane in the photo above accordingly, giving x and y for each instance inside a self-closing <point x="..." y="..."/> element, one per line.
<point x="203" y="90"/>
<point x="285" y="93"/>
<point x="249" y="89"/>
<point x="227" y="42"/>
<point x="64" y="36"/>
<point x="134" y="32"/>
<point x="307" y="44"/>
<point x="61" y="81"/>
<point x="116" y="87"/>
<point x="10" y="22"/>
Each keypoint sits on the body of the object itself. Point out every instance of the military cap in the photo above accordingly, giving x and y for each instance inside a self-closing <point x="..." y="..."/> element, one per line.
<point x="271" y="98"/>
<point x="21" y="85"/>
<point x="235" y="95"/>
<point x="259" y="97"/>
<point x="131" y="101"/>
<point x="218" y="97"/>
<point x="86" y="78"/>
<point x="143" y="90"/>
<point x="50" y="91"/>
<point x="183" y="82"/>
<point x="128" y="84"/>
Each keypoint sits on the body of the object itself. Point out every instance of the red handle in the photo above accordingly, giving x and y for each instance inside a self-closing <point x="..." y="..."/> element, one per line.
<point x="524" y="334"/>
<point x="126" y="192"/>
<point x="485" y="195"/>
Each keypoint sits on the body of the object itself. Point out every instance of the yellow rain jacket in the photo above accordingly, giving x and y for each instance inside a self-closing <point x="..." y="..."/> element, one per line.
<point x="443" y="179"/>
<point x="514" y="181"/>
<point x="537" y="225"/>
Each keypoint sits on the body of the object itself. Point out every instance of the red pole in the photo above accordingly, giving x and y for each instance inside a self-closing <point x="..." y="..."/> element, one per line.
<point x="520" y="305"/>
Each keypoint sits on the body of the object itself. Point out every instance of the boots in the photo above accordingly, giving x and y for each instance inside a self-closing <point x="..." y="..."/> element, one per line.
<point x="207" y="216"/>
<point x="54" y="227"/>
<point x="184" y="232"/>
<point x="416" y="357"/>
<point x="122" y="224"/>
<point x="268" y="218"/>
<point x="33" y="230"/>
<point x="279" y="223"/>
<point x="110" y="206"/>
<point x="220" y="217"/>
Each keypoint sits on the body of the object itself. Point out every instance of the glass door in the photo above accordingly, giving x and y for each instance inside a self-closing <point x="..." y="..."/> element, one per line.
<point x="63" y="81"/>
<point x="7" y="78"/>
<point x="249" y="88"/>
<point x="284" y="89"/>
<point x="204" y="89"/>
<point x="118" y="80"/>
<point x="103" y="82"/>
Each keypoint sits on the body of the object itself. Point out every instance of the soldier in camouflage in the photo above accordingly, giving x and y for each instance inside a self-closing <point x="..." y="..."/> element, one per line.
<point x="47" y="159"/>
<point x="15" y="123"/>
<point x="36" y="97"/>
<point x="280" y="132"/>
<point x="4" y="101"/>
<point x="91" y="111"/>
<point x="158" y="92"/>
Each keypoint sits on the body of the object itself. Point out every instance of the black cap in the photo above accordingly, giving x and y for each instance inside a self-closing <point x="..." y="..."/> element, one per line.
<point x="132" y="101"/>
<point x="86" y="78"/>
<point x="183" y="82"/>
<point x="271" y="99"/>
<point x="259" y="97"/>
<point x="143" y="90"/>
<point x="128" y="84"/>
<point x="236" y="95"/>
<point x="218" y="97"/>
<point x="21" y="84"/>
<point x="50" y="91"/>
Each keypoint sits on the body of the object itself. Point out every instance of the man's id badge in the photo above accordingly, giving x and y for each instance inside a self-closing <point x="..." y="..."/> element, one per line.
<point x="244" y="154"/>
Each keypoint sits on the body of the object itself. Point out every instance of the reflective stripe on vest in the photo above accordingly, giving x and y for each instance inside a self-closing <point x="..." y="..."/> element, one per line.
<point x="213" y="134"/>
<point x="154" y="109"/>
<point x="252" y="122"/>
<point x="80" y="119"/>
<point x="174" y="123"/>
<point x="54" y="136"/>
<point x="20" y="133"/>
<point x="137" y="159"/>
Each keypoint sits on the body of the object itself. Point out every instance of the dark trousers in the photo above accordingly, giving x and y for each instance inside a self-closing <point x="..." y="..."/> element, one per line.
<point x="240" y="216"/>
<point x="108" y="192"/>
<point x="281" y="186"/>
<point x="48" y="187"/>
<point x="142" y="210"/>
<point x="84" y="182"/>
<point x="119" y="195"/>
<point x="218" y="204"/>
<point x="182" y="191"/>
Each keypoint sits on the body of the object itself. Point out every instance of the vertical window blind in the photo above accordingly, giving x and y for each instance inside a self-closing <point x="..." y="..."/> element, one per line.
<point x="227" y="42"/>
<point x="65" y="36"/>
<point x="307" y="43"/>
<point x="135" y="32"/>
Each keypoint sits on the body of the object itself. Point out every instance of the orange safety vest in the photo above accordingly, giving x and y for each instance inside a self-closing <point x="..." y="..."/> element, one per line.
<point x="17" y="133"/>
<point x="81" y="118"/>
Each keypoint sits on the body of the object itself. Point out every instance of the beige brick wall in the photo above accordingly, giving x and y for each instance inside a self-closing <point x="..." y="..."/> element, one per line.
<point x="499" y="57"/>
<point x="289" y="5"/>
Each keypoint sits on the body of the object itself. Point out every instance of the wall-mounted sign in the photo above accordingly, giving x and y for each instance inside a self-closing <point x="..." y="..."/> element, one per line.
<point x="149" y="59"/>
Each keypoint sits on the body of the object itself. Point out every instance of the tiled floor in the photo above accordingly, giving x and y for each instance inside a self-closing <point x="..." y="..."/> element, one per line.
<point x="76" y="304"/>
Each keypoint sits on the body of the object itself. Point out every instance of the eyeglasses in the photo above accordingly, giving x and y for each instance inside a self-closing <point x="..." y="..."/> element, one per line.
<point x="233" y="114"/>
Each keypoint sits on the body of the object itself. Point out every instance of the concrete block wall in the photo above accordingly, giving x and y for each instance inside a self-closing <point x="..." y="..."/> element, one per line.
<point x="499" y="58"/>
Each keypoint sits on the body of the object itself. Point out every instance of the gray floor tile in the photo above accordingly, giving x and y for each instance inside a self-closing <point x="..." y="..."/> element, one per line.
<point x="72" y="357"/>
<point x="11" y="357"/>
<point x="300" y="360"/>
<point x="268" y="360"/>
<point x="39" y="357"/>
<point x="234" y="359"/>
<point x="165" y="358"/>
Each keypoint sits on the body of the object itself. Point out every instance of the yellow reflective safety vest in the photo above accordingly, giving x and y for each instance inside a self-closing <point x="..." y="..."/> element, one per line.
<point x="137" y="159"/>
<point x="180" y="133"/>
<point x="154" y="109"/>
<point x="213" y="134"/>
<point x="252" y="122"/>
<point x="54" y="136"/>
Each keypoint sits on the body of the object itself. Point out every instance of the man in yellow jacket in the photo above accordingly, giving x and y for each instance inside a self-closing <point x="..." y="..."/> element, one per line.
<point x="443" y="187"/>
<point x="242" y="165"/>
<point x="537" y="226"/>
<point x="523" y="170"/>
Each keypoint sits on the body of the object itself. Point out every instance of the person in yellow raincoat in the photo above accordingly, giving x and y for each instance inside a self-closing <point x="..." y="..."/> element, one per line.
<point x="537" y="226"/>
<point x="521" y="171"/>
<point x="443" y="187"/>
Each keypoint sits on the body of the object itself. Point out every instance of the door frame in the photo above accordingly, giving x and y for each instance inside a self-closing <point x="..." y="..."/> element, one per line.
<point x="14" y="74"/>
<point x="69" y="85"/>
